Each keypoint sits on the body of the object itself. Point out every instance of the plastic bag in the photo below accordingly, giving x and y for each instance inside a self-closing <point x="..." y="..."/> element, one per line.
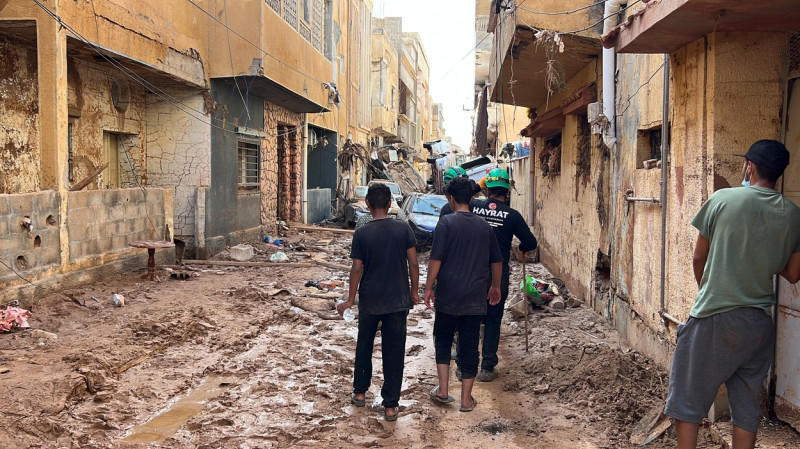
<point x="538" y="291"/>
<point x="280" y="256"/>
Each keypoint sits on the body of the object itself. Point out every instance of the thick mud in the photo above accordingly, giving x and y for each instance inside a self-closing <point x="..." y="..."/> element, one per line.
<point x="244" y="357"/>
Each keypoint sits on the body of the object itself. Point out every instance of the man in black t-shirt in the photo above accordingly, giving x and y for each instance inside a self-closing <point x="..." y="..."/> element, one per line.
<point x="384" y="255"/>
<point x="464" y="247"/>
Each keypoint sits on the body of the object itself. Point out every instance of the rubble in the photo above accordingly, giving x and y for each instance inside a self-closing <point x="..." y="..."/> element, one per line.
<point x="241" y="252"/>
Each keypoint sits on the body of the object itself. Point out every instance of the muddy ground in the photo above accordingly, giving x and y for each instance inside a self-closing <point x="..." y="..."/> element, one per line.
<point x="229" y="359"/>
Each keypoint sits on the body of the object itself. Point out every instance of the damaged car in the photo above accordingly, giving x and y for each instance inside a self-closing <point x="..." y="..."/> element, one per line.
<point x="357" y="209"/>
<point x="421" y="212"/>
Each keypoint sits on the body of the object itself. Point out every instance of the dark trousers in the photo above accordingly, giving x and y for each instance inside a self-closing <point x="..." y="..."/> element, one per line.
<point x="468" y="328"/>
<point x="393" y="352"/>
<point x="491" y="325"/>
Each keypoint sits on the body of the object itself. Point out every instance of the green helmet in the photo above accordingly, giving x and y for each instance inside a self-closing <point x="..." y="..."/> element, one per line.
<point x="453" y="173"/>
<point x="498" y="177"/>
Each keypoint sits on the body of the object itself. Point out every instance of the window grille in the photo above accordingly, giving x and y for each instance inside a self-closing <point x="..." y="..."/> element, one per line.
<point x="248" y="166"/>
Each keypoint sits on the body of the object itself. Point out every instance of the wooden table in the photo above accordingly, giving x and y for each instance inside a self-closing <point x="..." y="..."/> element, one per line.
<point x="151" y="246"/>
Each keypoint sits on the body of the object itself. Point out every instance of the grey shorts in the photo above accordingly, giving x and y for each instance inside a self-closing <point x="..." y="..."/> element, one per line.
<point x="735" y="348"/>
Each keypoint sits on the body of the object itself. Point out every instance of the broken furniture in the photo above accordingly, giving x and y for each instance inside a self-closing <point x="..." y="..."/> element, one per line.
<point x="151" y="246"/>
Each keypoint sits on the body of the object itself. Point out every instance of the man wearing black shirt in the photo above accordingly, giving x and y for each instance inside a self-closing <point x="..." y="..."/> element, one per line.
<point x="464" y="247"/>
<point x="384" y="255"/>
<point x="507" y="223"/>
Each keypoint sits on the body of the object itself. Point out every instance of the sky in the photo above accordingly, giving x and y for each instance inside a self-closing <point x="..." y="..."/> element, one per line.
<point x="447" y="29"/>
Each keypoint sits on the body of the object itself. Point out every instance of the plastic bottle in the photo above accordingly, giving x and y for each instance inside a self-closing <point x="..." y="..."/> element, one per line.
<point x="348" y="314"/>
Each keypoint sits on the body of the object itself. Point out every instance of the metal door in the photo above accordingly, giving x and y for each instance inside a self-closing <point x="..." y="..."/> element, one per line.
<point x="787" y="362"/>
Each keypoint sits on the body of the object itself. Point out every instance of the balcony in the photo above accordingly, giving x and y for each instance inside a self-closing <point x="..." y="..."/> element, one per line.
<point x="667" y="25"/>
<point x="525" y="69"/>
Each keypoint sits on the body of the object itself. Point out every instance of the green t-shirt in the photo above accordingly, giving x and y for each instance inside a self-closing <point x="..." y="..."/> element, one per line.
<point x="752" y="232"/>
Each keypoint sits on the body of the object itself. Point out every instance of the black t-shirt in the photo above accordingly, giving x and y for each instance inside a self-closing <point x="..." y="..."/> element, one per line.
<point x="466" y="246"/>
<point x="506" y="222"/>
<point x="381" y="245"/>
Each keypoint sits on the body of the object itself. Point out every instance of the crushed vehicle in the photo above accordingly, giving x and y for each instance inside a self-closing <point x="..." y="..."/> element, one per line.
<point x="397" y="194"/>
<point x="421" y="212"/>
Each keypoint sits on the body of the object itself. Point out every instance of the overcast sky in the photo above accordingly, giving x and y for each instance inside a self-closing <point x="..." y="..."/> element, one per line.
<point x="447" y="29"/>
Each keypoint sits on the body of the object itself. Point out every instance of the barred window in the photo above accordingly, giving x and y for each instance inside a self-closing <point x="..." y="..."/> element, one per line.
<point x="248" y="166"/>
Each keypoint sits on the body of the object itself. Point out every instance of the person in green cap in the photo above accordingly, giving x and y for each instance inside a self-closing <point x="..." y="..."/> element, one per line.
<point x="507" y="223"/>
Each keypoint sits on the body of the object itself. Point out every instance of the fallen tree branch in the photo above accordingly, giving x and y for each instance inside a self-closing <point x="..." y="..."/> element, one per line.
<point x="231" y="263"/>
<point x="130" y="364"/>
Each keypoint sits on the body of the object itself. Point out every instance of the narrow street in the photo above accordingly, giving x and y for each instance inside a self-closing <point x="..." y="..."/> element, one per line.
<point x="227" y="359"/>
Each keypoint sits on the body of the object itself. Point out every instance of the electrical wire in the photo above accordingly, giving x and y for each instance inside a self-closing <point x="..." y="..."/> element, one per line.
<point x="180" y="105"/>
<point x="628" y="100"/>
<point x="631" y="5"/>
<point x="548" y="13"/>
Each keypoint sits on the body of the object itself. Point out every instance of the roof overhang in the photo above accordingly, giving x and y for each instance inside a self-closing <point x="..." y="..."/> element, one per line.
<point x="265" y="88"/>
<point x="554" y="120"/>
<point x="522" y="76"/>
<point x="664" y="26"/>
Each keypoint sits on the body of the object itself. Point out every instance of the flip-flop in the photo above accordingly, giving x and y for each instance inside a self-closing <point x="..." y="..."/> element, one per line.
<point x="470" y="408"/>
<point x="438" y="399"/>
<point x="357" y="402"/>
<point x="389" y="417"/>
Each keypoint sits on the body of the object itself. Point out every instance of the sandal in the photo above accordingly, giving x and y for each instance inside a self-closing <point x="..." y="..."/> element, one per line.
<point x="357" y="402"/>
<point x="434" y="395"/>
<point x="389" y="417"/>
<point x="470" y="408"/>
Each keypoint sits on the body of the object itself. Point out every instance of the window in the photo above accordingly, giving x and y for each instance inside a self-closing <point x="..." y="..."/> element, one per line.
<point x="550" y="156"/>
<point x="648" y="148"/>
<point x="248" y="166"/>
<point x="305" y="10"/>
<point x="403" y="101"/>
<point x="382" y="89"/>
<point x="328" y="29"/>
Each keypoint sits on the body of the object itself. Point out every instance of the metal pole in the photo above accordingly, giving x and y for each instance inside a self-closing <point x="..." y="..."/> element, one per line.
<point x="664" y="171"/>
<point x="525" y="297"/>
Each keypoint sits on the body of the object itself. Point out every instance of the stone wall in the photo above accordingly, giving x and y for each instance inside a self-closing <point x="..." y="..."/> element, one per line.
<point x="281" y="167"/>
<point x="28" y="251"/>
<point x="103" y="221"/>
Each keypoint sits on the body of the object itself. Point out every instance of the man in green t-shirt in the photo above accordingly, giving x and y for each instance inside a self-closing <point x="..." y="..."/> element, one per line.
<point x="746" y="236"/>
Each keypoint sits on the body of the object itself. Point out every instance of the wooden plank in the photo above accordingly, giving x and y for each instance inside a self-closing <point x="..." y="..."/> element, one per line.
<point x="230" y="263"/>
<point x="88" y="180"/>
<point x="302" y="227"/>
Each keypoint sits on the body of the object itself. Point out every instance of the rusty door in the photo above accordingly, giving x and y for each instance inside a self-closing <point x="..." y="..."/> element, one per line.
<point x="787" y="363"/>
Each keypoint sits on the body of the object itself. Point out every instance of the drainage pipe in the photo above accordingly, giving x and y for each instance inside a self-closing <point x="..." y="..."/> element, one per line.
<point x="642" y="199"/>
<point x="664" y="173"/>
<point x="612" y="8"/>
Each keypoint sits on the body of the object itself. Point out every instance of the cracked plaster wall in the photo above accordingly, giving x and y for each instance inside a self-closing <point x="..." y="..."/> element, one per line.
<point x="20" y="159"/>
<point x="179" y="155"/>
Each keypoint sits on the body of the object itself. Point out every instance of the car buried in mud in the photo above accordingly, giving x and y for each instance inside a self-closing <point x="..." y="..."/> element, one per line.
<point x="421" y="212"/>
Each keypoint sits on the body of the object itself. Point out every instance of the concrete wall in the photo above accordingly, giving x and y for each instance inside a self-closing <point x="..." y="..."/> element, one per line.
<point x="563" y="22"/>
<point x="29" y="252"/>
<point x="19" y="109"/>
<point x="104" y="221"/>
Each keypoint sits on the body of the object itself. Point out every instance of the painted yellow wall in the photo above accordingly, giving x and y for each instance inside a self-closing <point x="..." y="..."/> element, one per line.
<point x="562" y="22"/>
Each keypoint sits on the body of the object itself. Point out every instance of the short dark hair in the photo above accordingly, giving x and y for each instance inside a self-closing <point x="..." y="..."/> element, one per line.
<point x="379" y="196"/>
<point x="461" y="189"/>
<point x="768" y="173"/>
<point x="499" y="191"/>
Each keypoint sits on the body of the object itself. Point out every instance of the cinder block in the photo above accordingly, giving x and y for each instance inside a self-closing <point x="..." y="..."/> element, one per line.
<point x="21" y="204"/>
<point x="241" y="252"/>
<point x="80" y="217"/>
<point x="4" y="204"/>
<point x="95" y="197"/>
<point x="3" y="227"/>
<point x="116" y="212"/>
<point x="119" y="242"/>
<point x="77" y="200"/>
<point x="75" y="251"/>
<point x="110" y="197"/>
<point x="104" y="244"/>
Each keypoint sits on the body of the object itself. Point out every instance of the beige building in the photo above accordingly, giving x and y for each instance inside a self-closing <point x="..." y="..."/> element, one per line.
<point x="207" y="125"/>
<point x="610" y="205"/>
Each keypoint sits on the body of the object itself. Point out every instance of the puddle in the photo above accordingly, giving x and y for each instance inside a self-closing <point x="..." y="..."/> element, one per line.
<point x="171" y="420"/>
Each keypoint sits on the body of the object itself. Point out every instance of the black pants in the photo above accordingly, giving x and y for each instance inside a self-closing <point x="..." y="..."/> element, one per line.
<point x="491" y="325"/>
<point x="393" y="351"/>
<point x="469" y="328"/>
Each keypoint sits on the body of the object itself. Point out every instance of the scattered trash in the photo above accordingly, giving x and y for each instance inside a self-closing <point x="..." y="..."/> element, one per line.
<point x="13" y="318"/>
<point x="95" y="299"/>
<point x="181" y="276"/>
<point x="539" y="292"/>
<point x="312" y="284"/>
<point x="241" y="252"/>
<point x="118" y="299"/>
<point x="329" y="285"/>
<point x="38" y="333"/>
<point x="296" y="310"/>
<point x="517" y="306"/>
<point x="280" y="256"/>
